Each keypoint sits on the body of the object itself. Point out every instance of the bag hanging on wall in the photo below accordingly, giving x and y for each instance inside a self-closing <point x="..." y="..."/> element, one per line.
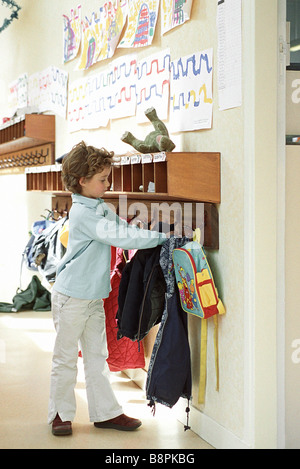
<point x="37" y="228"/>
<point x="198" y="296"/>
<point x="44" y="249"/>
<point x="48" y="250"/>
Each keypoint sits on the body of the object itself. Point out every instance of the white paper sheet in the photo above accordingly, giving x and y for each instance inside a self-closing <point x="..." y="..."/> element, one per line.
<point x="17" y="94"/>
<point x="48" y="91"/>
<point x="142" y="18"/>
<point x="113" y="18"/>
<point x="91" y="42"/>
<point x="122" y="96"/>
<point x="191" y="92"/>
<point x="96" y="106"/>
<point x="229" y="25"/>
<point x="72" y="34"/>
<point x="153" y="85"/>
<point x="88" y="104"/>
<point x="174" y="13"/>
<point x="110" y="94"/>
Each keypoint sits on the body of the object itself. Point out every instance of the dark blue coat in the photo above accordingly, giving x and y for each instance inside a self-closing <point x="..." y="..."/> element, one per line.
<point x="169" y="374"/>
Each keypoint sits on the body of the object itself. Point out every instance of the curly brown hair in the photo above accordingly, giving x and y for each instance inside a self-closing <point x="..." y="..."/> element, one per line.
<point x="83" y="161"/>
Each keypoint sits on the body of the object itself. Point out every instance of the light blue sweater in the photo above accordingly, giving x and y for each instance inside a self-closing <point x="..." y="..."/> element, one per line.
<point x="84" y="271"/>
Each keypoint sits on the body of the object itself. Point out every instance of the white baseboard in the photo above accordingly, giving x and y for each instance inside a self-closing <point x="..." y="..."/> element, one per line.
<point x="209" y="430"/>
<point x="205" y="427"/>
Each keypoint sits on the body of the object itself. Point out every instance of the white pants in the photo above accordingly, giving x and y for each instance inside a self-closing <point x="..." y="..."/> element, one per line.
<point x="80" y="321"/>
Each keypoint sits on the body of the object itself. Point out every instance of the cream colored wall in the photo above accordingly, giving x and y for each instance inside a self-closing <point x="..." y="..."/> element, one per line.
<point x="34" y="42"/>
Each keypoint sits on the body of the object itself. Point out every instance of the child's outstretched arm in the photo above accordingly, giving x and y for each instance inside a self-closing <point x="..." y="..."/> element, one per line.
<point x="108" y="228"/>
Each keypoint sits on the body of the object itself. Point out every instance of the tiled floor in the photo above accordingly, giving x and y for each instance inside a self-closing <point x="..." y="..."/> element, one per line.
<point x="26" y="343"/>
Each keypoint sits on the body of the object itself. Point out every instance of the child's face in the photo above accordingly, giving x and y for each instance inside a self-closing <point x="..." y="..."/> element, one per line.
<point x="96" y="186"/>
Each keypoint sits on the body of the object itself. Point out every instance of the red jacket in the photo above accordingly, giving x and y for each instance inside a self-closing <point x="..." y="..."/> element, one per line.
<point x="123" y="354"/>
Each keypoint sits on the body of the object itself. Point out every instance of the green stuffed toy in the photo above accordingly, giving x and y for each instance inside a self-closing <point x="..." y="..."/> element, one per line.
<point x="156" y="141"/>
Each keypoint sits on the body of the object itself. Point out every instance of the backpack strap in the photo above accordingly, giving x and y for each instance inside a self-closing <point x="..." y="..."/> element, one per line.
<point x="203" y="349"/>
<point x="197" y="235"/>
<point x="19" y="289"/>
<point x="216" y="342"/>
<point x="203" y="357"/>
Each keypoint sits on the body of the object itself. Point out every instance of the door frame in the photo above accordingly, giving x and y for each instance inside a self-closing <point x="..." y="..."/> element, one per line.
<point x="281" y="210"/>
<point x="264" y="222"/>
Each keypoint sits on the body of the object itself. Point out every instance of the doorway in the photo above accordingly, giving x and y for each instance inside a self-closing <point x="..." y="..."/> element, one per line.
<point x="292" y="232"/>
<point x="288" y="227"/>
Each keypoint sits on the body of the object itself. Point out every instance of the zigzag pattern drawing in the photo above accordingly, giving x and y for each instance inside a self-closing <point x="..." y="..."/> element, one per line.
<point x="154" y="90"/>
<point x="179" y="70"/>
<point x="129" y="87"/>
<point x="145" y="68"/>
<point x="191" y="92"/>
<point x="191" y="99"/>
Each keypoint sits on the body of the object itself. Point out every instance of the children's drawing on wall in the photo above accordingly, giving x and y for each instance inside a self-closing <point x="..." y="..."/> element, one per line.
<point x="153" y="85"/>
<point x="174" y="13"/>
<point x="58" y="92"/>
<point x="76" y="104"/>
<point x="112" y="21"/>
<point x="91" y="44"/>
<point x="179" y="89"/>
<point x="42" y="91"/>
<point x="72" y="34"/>
<point x="191" y="92"/>
<point x="96" y="109"/>
<point x="88" y="102"/>
<point x="142" y="18"/>
<point x="53" y="86"/>
<point x="17" y="94"/>
<point x="34" y="92"/>
<point x="12" y="98"/>
<point x="110" y="94"/>
<point x="122" y="99"/>
<point x="22" y="94"/>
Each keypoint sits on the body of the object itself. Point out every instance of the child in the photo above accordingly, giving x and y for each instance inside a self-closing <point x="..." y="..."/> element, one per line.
<point x="82" y="281"/>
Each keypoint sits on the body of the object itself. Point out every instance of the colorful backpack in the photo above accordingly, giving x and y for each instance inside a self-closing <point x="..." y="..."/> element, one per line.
<point x="198" y="296"/>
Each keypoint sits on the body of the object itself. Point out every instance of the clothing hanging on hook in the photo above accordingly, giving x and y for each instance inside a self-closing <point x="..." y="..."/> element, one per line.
<point x="169" y="373"/>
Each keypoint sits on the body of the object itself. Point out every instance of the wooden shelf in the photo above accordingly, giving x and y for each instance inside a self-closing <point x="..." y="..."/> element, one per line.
<point x="45" y="178"/>
<point x="186" y="215"/>
<point x="195" y="176"/>
<point x="189" y="176"/>
<point x="187" y="184"/>
<point x="167" y="176"/>
<point x="28" y="132"/>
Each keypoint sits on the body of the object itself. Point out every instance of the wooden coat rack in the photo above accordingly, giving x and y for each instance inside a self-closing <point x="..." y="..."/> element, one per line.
<point x="27" y="141"/>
